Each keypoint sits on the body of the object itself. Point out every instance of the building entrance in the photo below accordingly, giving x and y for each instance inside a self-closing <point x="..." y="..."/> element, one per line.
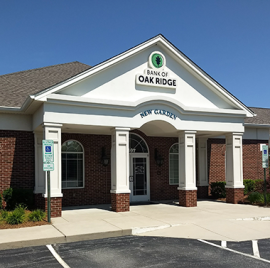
<point x="139" y="169"/>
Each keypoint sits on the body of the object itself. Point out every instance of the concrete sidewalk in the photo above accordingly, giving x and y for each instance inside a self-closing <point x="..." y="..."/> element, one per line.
<point x="209" y="220"/>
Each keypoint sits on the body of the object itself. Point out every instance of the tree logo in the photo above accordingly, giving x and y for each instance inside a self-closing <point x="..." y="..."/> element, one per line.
<point x="157" y="60"/>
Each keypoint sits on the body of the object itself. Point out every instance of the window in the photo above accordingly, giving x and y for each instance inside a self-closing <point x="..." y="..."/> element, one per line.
<point x="72" y="165"/>
<point x="174" y="164"/>
<point x="137" y="144"/>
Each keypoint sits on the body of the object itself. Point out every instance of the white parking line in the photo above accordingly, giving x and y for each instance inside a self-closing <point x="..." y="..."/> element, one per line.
<point x="57" y="257"/>
<point x="247" y="255"/>
<point x="255" y="248"/>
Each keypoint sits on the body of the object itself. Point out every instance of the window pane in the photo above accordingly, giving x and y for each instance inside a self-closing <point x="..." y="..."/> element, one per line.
<point x="72" y="164"/>
<point x="137" y="144"/>
<point x="72" y="146"/>
<point x="64" y="166"/>
<point x="174" y="169"/>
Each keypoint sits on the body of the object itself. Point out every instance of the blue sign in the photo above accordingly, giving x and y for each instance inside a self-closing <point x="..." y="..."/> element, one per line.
<point x="48" y="149"/>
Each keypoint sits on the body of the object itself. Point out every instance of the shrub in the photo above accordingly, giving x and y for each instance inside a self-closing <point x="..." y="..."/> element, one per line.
<point x="14" y="197"/>
<point x="255" y="198"/>
<point x="249" y="186"/>
<point x="36" y="215"/>
<point x="1" y="202"/>
<point x="4" y="214"/>
<point x="218" y="189"/>
<point x="7" y="195"/>
<point x="17" y="216"/>
<point x="259" y="186"/>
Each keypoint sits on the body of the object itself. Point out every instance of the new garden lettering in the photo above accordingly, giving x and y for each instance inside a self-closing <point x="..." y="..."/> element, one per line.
<point x="158" y="111"/>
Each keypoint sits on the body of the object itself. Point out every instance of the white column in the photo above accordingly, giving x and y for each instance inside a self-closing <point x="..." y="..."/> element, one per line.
<point x="39" y="173"/>
<point x="234" y="161"/>
<point x="53" y="132"/>
<point x="202" y="162"/>
<point x="187" y="160"/>
<point x="120" y="161"/>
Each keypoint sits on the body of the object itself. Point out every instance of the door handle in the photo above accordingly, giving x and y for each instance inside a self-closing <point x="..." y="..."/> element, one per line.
<point x="131" y="178"/>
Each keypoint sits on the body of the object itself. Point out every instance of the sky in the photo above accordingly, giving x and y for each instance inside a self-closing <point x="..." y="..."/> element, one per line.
<point x="228" y="39"/>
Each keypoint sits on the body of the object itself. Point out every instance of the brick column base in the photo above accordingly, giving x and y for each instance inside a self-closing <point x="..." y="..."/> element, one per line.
<point x="188" y="198"/>
<point x="234" y="195"/>
<point x="56" y="205"/>
<point x="202" y="192"/>
<point x="120" y="202"/>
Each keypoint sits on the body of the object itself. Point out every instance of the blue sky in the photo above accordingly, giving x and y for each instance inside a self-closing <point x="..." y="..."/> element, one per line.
<point x="229" y="39"/>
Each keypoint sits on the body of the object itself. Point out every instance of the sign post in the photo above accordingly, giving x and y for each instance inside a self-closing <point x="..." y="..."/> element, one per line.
<point x="265" y="161"/>
<point x="48" y="165"/>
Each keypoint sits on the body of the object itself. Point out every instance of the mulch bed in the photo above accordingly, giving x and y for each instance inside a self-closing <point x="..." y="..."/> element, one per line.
<point x="22" y="225"/>
<point x="4" y="225"/>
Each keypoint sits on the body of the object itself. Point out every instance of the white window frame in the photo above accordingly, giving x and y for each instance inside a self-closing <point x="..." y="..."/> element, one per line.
<point x="82" y="163"/>
<point x="170" y="179"/>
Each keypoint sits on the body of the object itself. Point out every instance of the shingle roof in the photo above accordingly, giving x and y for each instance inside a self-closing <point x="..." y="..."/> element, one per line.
<point x="15" y="87"/>
<point x="262" y="118"/>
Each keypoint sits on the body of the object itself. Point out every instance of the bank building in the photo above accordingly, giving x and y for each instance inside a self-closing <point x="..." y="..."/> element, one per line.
<point x="145" y="125"/>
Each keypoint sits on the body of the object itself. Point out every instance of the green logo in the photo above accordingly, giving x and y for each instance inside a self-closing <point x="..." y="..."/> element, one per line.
<point x="157" y="60"/>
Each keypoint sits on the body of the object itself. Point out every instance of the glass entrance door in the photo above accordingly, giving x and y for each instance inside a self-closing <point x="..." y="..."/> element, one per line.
<point x="139" y="178"/>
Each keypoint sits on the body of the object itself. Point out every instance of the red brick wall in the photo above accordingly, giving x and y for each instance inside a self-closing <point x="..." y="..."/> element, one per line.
<point x="97" y="187"/>
<point x="188" y="198"/>
<point x="17" y="159"/>
<point x="56" y="205"/>
<point x="120" y="202"/>
<point x="252" y="159"/>
<point x="97" y="177"/>
<point x="233" y="196"/>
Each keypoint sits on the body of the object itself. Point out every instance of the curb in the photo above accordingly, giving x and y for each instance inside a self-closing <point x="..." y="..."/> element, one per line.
<point x="64" y="239"/>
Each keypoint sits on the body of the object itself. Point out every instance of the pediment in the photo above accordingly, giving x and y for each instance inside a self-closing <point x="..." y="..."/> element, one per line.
<point x="129" y="78"/>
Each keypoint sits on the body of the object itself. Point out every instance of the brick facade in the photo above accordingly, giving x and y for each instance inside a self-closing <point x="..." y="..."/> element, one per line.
<point x="17" y="159"/>
<point x="17" y="168"/>
<point x="97" y="177"/>
<point x="56" y="205"/>
<point x="188" y="198"/>
<point x="234" y="195"/>
<point x="120" y="202"/>
<point x="252" y="160"/>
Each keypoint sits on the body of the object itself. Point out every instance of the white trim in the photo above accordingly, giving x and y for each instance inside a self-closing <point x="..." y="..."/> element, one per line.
<point x="140" y="198"/>
<point x="170" y="164"/>
<point x="132" y="105"/>
<point x="187" y="188"/>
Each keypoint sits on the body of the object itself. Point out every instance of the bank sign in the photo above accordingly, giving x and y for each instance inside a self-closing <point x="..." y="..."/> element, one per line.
<point x="156" y="75"/>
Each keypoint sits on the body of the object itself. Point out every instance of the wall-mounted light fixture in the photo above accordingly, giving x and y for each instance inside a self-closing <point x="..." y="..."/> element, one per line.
<point x="158" y="158"/>
<point x="104" y="159"/>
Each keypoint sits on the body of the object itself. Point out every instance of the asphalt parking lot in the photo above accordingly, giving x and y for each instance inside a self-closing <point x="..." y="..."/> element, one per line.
<point x="135" y="251"/>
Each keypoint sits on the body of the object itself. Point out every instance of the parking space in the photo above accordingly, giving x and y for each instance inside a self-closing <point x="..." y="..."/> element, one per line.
<point x="136" y="251"/>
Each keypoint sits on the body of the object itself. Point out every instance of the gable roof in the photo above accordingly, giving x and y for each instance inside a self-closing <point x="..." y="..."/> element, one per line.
<point x="262" y="116"/>
<point x="156" y="40"/>
<point x="38" y="85"/>
<point x="16" y="87"/>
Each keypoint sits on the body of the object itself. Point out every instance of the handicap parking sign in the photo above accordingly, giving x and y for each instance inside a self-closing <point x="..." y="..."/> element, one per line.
<point x="47" y="149"/>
